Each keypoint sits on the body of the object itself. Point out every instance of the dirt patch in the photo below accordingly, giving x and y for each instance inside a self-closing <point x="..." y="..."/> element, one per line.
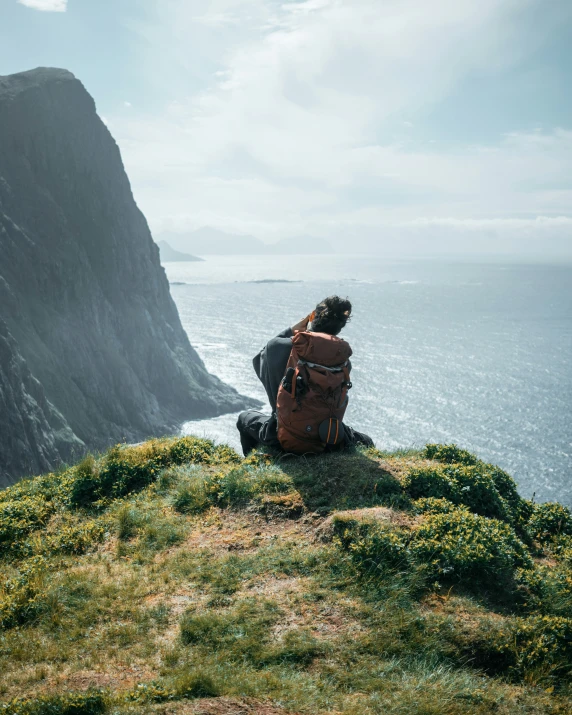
<point x="274" y="586"/>
<point x="226" y="531"/>
<point x="282" y="506"/>
<point x="323" y="618"/>
<point x="465" y="613"/>
<point x="222" y="706"/>
<point x="121" y="679"/>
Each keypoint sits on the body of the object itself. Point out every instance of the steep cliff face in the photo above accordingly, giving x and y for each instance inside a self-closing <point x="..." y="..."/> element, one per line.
<point x="91" y="336"/>
<point x="33" y="434"/>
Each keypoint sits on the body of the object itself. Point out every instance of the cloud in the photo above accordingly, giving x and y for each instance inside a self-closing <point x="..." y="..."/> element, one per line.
<point x="289" y="130"/>
<point x="216" y="20"/>
<point x="46" y="5"/>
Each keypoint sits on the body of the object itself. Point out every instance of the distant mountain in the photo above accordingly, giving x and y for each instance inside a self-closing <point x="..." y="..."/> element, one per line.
<point x="169" y="255"/>
<point x="210" y="241"/>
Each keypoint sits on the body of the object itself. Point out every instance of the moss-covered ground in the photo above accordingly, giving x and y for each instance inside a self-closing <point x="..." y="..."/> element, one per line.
<point x="176" y="577"/>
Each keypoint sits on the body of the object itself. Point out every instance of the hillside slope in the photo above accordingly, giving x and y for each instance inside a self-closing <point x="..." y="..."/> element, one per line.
<point x="176" y="577"/>
<point x="82" y="293"/>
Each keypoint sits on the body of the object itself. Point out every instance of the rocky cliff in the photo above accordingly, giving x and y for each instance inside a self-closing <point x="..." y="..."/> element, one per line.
<point x="32" y="430"/>
<point x="92" y="350"/>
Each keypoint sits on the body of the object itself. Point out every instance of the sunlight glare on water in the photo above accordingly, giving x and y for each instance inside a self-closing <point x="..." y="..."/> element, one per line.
<point x="479" y="354"/>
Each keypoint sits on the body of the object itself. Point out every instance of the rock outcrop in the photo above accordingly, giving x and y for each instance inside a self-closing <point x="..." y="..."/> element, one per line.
<point x="92" y="350"/>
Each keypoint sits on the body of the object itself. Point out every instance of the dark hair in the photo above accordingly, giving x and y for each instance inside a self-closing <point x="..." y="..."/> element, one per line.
<point x="331" y="315"/>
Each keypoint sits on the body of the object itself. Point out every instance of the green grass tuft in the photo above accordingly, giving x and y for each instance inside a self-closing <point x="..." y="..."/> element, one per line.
<point x="196" y="685"/>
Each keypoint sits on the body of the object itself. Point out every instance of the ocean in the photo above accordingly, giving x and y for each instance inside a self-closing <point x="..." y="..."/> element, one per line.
<point x="476" y="353"/>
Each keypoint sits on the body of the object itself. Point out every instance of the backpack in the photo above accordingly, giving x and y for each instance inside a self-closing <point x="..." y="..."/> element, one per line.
<point x="313" y="395"/>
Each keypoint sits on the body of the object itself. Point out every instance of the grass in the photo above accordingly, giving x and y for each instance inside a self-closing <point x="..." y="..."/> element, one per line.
<point x="366" y="582"/>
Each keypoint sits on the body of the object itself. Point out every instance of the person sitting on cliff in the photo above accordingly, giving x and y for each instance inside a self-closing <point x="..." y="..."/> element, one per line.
<point x="305" y="372"/>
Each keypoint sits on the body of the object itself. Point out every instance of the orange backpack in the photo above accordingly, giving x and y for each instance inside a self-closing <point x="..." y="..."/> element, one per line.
<point x="313" y="395"/>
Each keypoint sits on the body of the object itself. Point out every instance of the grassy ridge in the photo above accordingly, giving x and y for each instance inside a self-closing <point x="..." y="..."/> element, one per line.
<point x="363" y="582"/>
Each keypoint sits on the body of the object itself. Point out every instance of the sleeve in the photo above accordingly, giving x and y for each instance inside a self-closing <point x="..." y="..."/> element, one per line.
<point x="288" y="333"/>
<point x="258" y="361"/>
<point x="270" y="361"/>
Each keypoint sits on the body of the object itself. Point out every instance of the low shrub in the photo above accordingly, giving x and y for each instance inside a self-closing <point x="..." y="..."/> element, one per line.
<point x="124" y="469"/>
<point x="530" y="588"/>
<point x="542" y="644"/>
<point x="19" y="517"/>
<point x="371" y="544"/>
<point x="536" y="649"/>
<point x="550" y="520"/>
<point x="505" y="485"/>
<point x="90" y="703"/>
<point x="451" y="542"/>
<point x="561" y="548"/>
<point x="432" y="505"/>
<point x="478" y="491"/>
<point x="29" y="505"/>
<point x="192" y="450"/>
<point x="49" y="487"/>
<point x="464" y="479"/>
<point x="72" y="537"/>
<point x="460" y="543"/>
<point x="21" y="596"/>
<point x="449" y="454"/>
<point x="83" y="482"/>
<point x="432" y="482"/>
<point x="458" y="484"/>
<point x="546" y="589"/>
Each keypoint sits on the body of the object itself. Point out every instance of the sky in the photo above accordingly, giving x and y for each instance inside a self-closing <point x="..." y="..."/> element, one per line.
<point x="373" y="123"/>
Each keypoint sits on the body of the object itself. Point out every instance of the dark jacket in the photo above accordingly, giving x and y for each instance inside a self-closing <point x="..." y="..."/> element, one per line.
<point x="270" y="364"/>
